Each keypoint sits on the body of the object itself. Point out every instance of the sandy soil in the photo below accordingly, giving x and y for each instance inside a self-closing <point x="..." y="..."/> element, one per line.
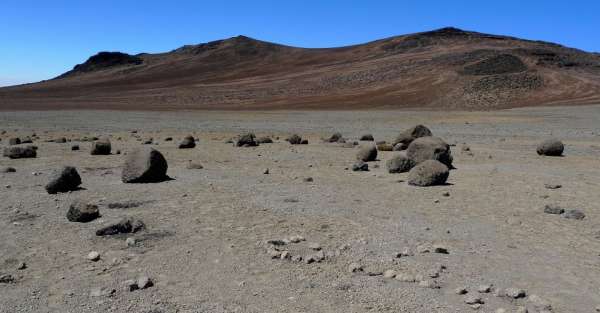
<point x="205" y="247"/>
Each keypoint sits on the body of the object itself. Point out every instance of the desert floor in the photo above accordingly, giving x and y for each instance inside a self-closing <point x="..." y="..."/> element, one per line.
<point x="205" y="243"/>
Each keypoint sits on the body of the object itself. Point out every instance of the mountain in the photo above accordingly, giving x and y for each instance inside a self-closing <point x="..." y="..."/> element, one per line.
<point x="446" y="68"/>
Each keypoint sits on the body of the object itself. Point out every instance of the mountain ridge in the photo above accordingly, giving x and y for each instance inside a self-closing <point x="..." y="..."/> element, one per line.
<point x="447" y="68"/>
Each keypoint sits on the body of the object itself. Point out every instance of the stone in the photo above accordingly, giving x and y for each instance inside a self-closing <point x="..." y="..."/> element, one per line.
<point x="246" y="140"/>
<point x="20" y="152"/>
<point x="188" y="142"/>
<point x="427" y="283"/>
<point x="130" y="242"/>
<point x="63" y="180"/>
<point x="515" y="293"/>
<point x="472" y="299"/>
<point x="144" y="282"/>
<point x="461" y="291"/>
<point x="335" y="137"/>
<point x="484" y="288"/>
<point x="315" y="258"/>
<point x="550" y="147"/>
<point x="21" y="266"/>
<point x="440" y="249"/>
<point x="553" y="209"/>
<point x="389" y="274"/>
<point x="367" y="137"/>
<point x="144" y="165"/>
<point x="75" y="148"/>
<point x="360" y="166"/>
<point x="8" y="169"/>
<point x="130" y="285"/>
<point x="552" y="186"/>
<point x="294" y="139"/>
<point x="296" y="239"/>
<point x="6" y="279"/>
<point x="428" y="173"/>
<point x="314" y="246"/>
<point x="429" y="148"/>
<point x="367" y="153"/>
<point x="574" y="214"/>
<point x="101" y="147"/>
<point x="123" y="226"/>
<point x="405" y="277"/>
<point x="308" y="179"/>
<point x="82" y="212"/>
<point x="409" y="135"/>
<point x="266" y="171"/>
<point x="304" y="142"/>
<point x="93" y="256"/>
<point x="399" y="163"/>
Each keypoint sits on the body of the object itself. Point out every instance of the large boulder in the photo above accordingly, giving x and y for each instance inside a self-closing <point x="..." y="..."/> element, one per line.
<point x="64" y="179"/>
<point x="20" y="152"/>
<point x="188" y="142"/>
<point x="367" y="153"/>
<point x="14" y="141"/>
<point x="144" y="165"/>
<point x="82" y="212"/>
<point x="399" y="163"/>
<point x="246" y="140"/>
<point x="428" y="173"/>
<point x="429" y="148"/>
<point x="551" y="147"/>
<point x="336" y="137"/>
<point x="101" y="147"/>
<point x="295" y="139"/>
<point x="407" y="136"/>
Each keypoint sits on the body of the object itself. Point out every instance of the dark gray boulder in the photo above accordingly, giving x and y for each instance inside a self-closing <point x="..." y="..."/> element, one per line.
<point x="188" y="142"/>
<point x="429" y="148"/>
<point x="246" y="140"/>
<point x="399" y="163"/>
<point x="295" y="139"/>
<point x="367" y="153"/>
<point x="64" y="179"/>
<point x="367" y="137"/>
<point x="7" y="169"/>
<point x="360" y="166"/>
<point x="407" y="136"/>
<point x="428" y="173"/>
<point x="82" y="212"/>
<point x="335" y="137"/>
<point x="124" y="226"/>
<point x="19" y="152"/>
<point x="551" y="147"/>
<point x="144" y="165"/>
<point x="101" y="147"/>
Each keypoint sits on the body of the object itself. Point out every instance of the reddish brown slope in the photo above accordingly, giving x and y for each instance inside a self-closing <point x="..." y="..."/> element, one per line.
<point x="446" y="68"/>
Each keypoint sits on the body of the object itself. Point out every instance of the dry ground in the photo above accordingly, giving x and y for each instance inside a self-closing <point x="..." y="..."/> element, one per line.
<point x="205" y="248"/>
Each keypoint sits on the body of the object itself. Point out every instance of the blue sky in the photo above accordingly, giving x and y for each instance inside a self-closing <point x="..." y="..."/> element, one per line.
<point x="42" y="39"/>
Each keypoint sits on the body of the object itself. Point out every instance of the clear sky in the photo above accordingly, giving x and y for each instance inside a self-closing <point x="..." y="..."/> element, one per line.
<point x="42" y="39"/>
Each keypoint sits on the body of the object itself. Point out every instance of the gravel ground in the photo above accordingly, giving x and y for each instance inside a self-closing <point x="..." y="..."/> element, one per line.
<point x="205" y="242"/>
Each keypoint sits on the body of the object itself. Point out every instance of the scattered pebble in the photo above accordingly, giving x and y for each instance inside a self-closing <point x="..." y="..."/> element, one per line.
<point x="93" y="256"/>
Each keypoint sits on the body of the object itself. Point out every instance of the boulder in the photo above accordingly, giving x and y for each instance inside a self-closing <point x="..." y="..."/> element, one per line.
<point x="367" y="137"/>
<point x="367" y="153"/>
<point x="551" y="147"/>
<point x="246" y="140"/>
<point x="125" y="226"/>
<point x="336" y="137"/>
<point x="144" y="165"/>
<point x="295" y="139"/>
<point x="399" y="163"/>
<point x="74" y="147"/>
<point x="101" y="147"/>
<point x="188" y="142"/>
<point x="14" y="141"/>
<point x="82" y="212"/>
<point x="20" y="152"/>
<point x="63" y="180"/>
<point x="429" y="148"/>
<point x="7" y="170"/>
<point x="428" y="173"/>
<point x="360" y="166"/>
<point x="407" y="136"/>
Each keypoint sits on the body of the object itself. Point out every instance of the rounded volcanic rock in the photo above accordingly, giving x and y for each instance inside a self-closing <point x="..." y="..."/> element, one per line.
<point x="101" y="147"/>
<point x="407" y="136"/>
<point x="144" y="165"/>
<point x="188" y="142"/>
<point x="367" y="153"/>
<point x="399" y="163"/>
<point x="429" y="148"/>
<point x="428" y="173"/>
<point x="551" y="147"/>
<point x="64" y="180"/>
<point x="82" y="212"/>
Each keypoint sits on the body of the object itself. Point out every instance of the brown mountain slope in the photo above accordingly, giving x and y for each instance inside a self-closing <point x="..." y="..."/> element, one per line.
<point x="446" y="68"/>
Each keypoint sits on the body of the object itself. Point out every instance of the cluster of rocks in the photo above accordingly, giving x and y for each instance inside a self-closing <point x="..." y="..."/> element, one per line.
<point x="278" y="249"/>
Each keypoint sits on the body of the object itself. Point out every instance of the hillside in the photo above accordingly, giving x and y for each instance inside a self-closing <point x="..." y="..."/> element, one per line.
<point x="446" y="68"/>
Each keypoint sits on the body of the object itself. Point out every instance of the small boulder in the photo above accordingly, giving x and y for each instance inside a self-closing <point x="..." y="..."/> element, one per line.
<point x="399" y="163"/>
<point x="20" y="152"/>
<point x="407" y="136"/>
<point x="74" y="147"/>
<point x="367" y="137"/>
<point x="367" y="153"/>
<point x="429" y="148"/>
<point x="294" y="139"/>
<point x="428" y="173"/>
<point x="144" y="165"/>
<point x="7" y="169"/>
<point x="63" y="180"/>
<point x="574" y="214"/>
<point x="246" y="140"/>
<point x="360" y="166"/>
<point x="550" y="147"/>
<point x="188" y="142"/>
<point x="124" y="226"/>
<point x="101" y="147"/>
<point x="82" y="212"/>
<point x="335" y="137"/>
